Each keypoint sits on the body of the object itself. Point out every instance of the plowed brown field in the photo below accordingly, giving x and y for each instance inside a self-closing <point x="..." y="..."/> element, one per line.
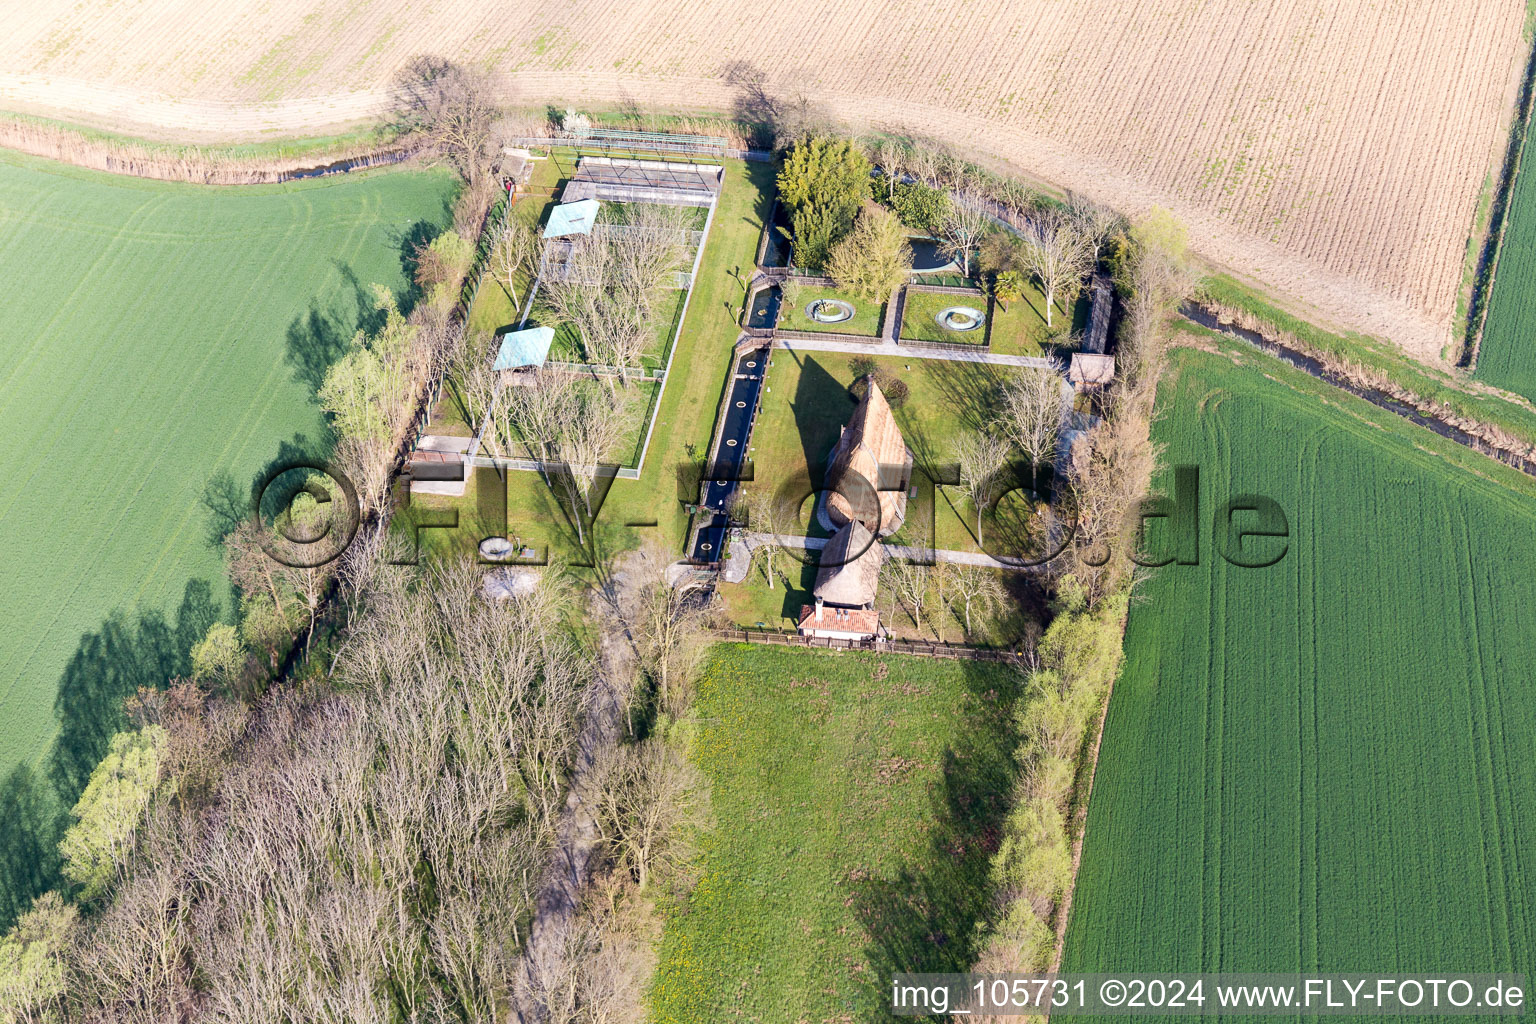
<point x="1334" y="151"/>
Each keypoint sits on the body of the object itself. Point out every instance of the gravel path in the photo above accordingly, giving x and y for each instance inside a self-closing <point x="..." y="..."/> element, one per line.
<point x="752" y="540"/>
<point x="909" y="352"/>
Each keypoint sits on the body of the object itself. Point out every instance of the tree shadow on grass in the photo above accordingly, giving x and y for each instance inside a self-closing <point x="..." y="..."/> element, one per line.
<point x="822" y="406"/>
<point x="317" y="338"/>
<point x="924" y="917"/>
<point x="127" y="652"/>
<point x="109" y="665"/>
<point x="970" y="390"/>
<point x="227" y="502"/>
<point x="32" y="820"/>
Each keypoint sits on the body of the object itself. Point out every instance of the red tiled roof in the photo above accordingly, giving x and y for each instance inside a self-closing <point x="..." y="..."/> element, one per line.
<point x="864" y="621"/>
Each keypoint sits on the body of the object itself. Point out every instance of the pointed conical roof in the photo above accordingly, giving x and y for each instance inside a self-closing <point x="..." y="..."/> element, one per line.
<point x="850" y="568"/>
<point x="870" y="468"/>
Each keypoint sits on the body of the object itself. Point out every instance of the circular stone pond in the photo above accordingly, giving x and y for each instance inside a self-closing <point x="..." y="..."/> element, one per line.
<point x="829" y="311"/>
<point x="960" y="318"/>
<point x="496" y="548"/>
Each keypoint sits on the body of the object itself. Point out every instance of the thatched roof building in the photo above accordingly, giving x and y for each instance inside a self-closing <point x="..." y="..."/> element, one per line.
<point x="870" y="468"/>
<point x="850" y="568"/>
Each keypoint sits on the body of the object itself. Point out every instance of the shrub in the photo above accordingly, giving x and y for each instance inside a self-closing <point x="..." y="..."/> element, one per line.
<point x="893" y="387"/>
<point x="823" y="184"/>
<point x="444" y="260"/>
<point x="874" y="259"/>
<point x="920" y="207"/>
<point x="108" y="812"/>
<point x="219" y="656"/>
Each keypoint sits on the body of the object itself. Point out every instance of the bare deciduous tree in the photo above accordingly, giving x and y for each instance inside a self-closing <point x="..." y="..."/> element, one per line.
<point x="1094" y="224"/>
<point x="891" y="155"/>
<point x="609" y="285"/>
<point x="248" y="565"/>
<point x="647" y="795"/>
<point x="769" y="513"/>
<point x="667" y="620"/>
<point x="470" y="380"/>
<point x="907" y="580"/>
<point x="588" y="429"/>
<point x="1054" y="252"/>
<point x="449" y="104"/>
<point x="1032" y="414"/>
<point x="965" y="225"/>
<point x="981" y="455"/>
<point x="514" y="253"/>
<point x="976" y="586"/>
<point x="371" y="851"/>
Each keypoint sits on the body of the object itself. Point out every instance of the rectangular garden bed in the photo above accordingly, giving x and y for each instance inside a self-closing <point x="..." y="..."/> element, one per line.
<point x="921" y="309"/>
<point x="866" y="320"/>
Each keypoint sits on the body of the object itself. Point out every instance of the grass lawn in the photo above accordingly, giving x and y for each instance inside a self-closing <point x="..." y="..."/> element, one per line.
<point x="157" y="337"/>
<point x="855" y="801"/>
<point x="1020" y="330"/>
<point x="867" y="316"/>
<point x="651" y="505"/>
<point x="805" y="408"/>
<point x="753" y="602"/>
<point x="808" y="403"/>
<point x="919" y="318"/>
<point x="1324" y="765"/>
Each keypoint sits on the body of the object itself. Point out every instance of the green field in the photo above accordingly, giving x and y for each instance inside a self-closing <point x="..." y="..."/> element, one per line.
<point x="855" y="801"/>
<point x="156" y="337"/>
<point x="1325" y="764"/>
<point x="1506" y="356"/>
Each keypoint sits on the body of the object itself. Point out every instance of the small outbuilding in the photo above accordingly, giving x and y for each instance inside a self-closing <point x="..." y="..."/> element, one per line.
<point x="570" y="219"/>
<point x="826" y="623"/>
<point x="845" y="588"/>
<point x="516" y="167"/>
<point x="1089" y="371"/>
<point x="522" y="353"/>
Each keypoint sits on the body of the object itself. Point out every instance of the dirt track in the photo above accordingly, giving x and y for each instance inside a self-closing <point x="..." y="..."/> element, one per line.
<point x="1333" y="151"/>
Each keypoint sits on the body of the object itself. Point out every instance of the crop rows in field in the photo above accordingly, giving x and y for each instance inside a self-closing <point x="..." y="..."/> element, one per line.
<point x="1506" y="356"/>
<point x="1334" y="150"/>
<point x="154" y="338"/>
<point x="1322" y="765"/>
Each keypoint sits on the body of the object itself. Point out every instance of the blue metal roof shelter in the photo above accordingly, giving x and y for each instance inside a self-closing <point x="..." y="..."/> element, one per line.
<point x="528" y="347"/>
<point x="572" y="218"/>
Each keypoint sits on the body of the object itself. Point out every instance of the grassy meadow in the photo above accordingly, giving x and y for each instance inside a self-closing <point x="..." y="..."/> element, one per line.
<point x="854" y="801"/>
<point x="1322" y="765"/>
<point x="919" y="318"/>
<point x="1506" y="356"/>
<point x="158" y="338"/>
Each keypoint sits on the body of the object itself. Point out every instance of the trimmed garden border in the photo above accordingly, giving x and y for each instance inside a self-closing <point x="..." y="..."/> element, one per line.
<point x="899" y="314"/>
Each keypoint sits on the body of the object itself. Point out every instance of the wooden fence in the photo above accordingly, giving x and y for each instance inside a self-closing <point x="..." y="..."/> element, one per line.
<point x="976" y="294"/>
<point x="789" y="638"/>
<point x="856" y="339"/>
